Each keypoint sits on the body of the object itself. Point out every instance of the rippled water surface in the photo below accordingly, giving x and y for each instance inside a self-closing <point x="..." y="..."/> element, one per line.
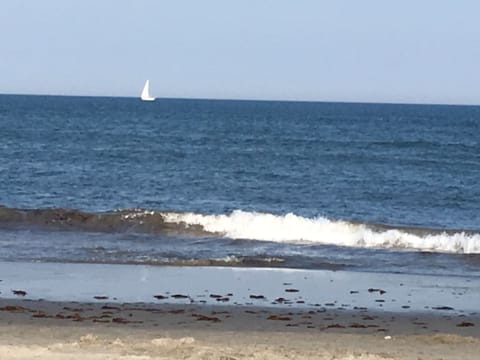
<point x="244" y="183"/>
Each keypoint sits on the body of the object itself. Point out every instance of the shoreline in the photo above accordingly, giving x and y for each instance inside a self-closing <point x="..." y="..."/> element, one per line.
<point x="260" y="287"/>
<point x="92" y="311"/>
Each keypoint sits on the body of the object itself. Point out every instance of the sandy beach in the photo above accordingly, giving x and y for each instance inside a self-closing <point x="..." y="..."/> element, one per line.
<point x="72" y="330"/>
<point x="73" y="311"/>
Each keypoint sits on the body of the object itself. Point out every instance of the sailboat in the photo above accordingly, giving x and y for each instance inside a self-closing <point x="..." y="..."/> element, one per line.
<point x="145" y="92"/>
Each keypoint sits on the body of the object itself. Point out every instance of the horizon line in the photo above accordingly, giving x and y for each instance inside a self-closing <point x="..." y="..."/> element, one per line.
<point x="252" y="99"/>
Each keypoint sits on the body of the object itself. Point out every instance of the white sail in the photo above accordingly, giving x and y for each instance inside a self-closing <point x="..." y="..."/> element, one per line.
<point x="145" y="92"/>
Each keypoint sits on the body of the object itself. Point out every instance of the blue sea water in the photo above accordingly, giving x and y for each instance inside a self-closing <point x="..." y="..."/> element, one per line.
<point x="363" y="187"/>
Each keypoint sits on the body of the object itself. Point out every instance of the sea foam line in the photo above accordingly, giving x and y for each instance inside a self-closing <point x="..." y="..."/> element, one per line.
<point x="293" y="228"/>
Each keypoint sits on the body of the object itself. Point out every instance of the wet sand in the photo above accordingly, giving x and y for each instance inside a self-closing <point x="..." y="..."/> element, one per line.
<point x="75" y="311"/>
<point x="261" y="287"/>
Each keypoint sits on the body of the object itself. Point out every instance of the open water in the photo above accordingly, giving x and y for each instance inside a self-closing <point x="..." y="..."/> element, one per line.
<point x="360" y="187"/>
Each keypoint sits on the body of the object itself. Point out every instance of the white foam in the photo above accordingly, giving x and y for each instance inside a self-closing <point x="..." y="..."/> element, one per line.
<point x="292" y="228"/>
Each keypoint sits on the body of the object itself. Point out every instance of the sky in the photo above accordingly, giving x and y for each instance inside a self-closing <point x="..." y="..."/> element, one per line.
<point x="407" y="51"/>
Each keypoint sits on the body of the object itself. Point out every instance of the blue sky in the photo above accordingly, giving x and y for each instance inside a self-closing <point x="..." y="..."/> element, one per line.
<point x="424" y="51"/>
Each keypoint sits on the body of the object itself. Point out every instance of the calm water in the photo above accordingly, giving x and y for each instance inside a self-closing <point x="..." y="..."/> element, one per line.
<point x="365" y="187"/>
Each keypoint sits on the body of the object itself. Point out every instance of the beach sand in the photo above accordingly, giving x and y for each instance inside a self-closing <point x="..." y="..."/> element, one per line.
<point x="71" y="330"/>
<point x="88" y="311"/>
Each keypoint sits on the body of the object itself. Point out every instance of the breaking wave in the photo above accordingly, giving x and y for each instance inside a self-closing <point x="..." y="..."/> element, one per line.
<point x="292" y="228"/>
<point x="125" y="220"/>
<point x="249" y="226"/>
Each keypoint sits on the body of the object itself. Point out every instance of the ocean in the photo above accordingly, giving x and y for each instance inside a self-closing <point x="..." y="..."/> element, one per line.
<point x="307" y="185"/>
